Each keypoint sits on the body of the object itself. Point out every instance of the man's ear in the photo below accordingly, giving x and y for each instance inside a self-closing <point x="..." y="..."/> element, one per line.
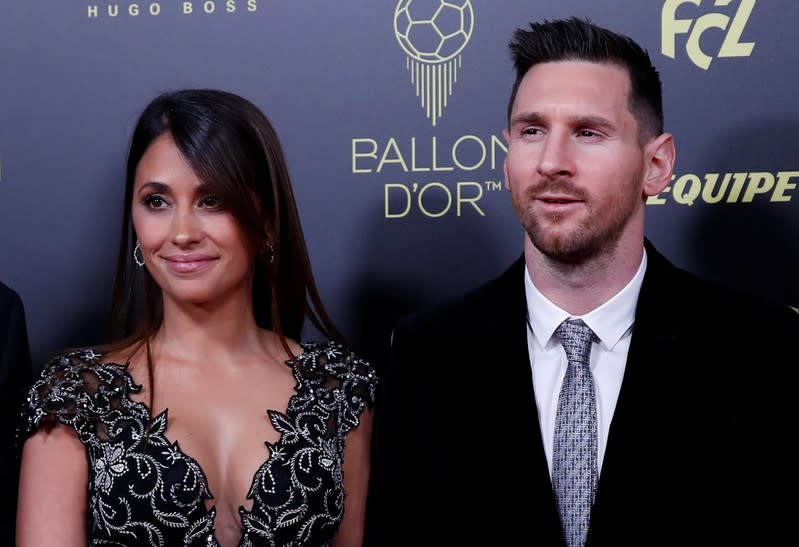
<point x="659" y="157"/>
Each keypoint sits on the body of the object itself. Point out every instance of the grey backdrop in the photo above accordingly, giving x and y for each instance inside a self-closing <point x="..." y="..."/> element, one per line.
<point x="336" y="83"/>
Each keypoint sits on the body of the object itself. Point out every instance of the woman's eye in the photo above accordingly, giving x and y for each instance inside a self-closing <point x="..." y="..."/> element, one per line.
<point x="210" y="202"/>
<point x="155" y="202"/>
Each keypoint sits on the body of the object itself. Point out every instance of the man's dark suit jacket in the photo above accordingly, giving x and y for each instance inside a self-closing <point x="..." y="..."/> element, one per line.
<point x="15" y="375"/>
<point x="696" y="444"/>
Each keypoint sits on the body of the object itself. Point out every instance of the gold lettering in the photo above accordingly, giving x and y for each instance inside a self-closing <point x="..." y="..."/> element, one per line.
<point x="424" y="189"/>
<point x="710" y="184"/>
<point x="414" y="168"/>
<point x="388" y="213"/>
<point x="737" y="186"/>
<point x="455" y="153"/>
<point x="392" y="145"/>
<point x="497" y="142"/>
<point x="356" y="154"/>
<point x="671" y="26"/>
<point x="656" y="199"/>
<point x="472" y="200"/>
<point x="435" y="158"/>
<point x="695" y="53"/>
<point x="759" y="183"/>
<point x="784" y="183"/>
<point x="684" y="194"/>
<point x="731" y="47"/>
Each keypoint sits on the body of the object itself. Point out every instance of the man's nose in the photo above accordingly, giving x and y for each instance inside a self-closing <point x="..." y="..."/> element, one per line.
<point x="556" y="156"/>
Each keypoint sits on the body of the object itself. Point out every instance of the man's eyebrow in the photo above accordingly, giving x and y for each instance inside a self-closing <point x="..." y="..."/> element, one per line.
<point x="527" y="117"/>
<point x="592" y="121"/>
<point x="536" y="118"/>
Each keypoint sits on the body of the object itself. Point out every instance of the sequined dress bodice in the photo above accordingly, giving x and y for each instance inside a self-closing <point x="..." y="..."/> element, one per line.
<point x="144" y="491"/>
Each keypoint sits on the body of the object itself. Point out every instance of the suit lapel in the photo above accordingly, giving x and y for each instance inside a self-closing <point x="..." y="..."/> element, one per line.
<point x="506" y="329"/>
<point x="645" y="391"/>
<point x="520" y="429"/>
<point x="652" y="348"/>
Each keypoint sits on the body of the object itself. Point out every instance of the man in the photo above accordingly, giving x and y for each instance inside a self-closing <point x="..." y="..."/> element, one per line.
<point x="15" y="374"/>
<point x="593" y="394"/>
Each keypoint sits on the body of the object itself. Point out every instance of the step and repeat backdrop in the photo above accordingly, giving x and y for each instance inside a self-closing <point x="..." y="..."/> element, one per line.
<point x="391" y="113"/>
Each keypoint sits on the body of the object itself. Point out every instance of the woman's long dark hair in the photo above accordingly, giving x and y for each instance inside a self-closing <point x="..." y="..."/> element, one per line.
<point x="233" y="149"/>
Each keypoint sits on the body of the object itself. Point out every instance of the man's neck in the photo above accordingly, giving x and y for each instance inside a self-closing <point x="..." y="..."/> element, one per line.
<point x="582" y="287"/>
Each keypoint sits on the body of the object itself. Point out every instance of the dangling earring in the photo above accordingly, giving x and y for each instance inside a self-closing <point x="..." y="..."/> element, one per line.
<point x="137" y="249"/>
<point x="271" y="249"/>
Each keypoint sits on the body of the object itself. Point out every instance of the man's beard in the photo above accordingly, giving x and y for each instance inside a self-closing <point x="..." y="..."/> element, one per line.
<point x="596" y="234"/>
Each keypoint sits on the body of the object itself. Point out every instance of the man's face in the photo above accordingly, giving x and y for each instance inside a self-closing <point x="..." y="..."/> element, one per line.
<point x="574" y="165"/>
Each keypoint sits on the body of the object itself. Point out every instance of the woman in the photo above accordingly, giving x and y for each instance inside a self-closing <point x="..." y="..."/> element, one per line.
<point x="204" y="436"/>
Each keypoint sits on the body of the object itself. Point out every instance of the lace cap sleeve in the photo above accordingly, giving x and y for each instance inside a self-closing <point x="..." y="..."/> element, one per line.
<point x="73" y="389"/>
<point x="340" y="377"/>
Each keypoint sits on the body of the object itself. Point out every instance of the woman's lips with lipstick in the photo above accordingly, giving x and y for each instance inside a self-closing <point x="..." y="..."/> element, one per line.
<point x="188" y="263"/>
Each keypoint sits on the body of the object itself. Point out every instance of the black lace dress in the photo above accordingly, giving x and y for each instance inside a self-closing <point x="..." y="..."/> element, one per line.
<point x="143" y="491"/>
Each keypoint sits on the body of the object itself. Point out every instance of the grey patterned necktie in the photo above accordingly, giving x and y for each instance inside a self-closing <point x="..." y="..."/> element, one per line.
<point x="574" y="466"/>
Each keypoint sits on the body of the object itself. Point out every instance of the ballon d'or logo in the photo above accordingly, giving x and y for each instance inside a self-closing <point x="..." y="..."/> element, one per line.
<point x="433" y="33"/>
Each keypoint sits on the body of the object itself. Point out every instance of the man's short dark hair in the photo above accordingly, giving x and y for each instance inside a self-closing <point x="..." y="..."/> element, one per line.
<point x="576" y="39"/>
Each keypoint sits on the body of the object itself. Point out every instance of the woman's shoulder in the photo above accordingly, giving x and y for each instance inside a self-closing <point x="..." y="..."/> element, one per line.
<point x="74" y="386"/>
<point x="334" y="357"/>
<point x="81" y="368"/>
<point x="336" y="361"/>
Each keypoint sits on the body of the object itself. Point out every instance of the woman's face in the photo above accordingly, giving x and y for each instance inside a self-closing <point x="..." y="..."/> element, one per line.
<point x="192" y="246"/>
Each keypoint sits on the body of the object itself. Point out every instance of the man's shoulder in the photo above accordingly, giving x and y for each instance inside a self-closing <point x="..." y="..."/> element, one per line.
<point x="11" y="309"/>
<point x="732" y="304"/>
<point x="7" y="295"/>
<point x="699" y="298"/>
<point x="475" y="307"/>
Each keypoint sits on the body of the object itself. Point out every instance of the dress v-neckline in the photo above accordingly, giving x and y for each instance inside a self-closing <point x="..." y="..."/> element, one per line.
<point x="163" y="416"/>
<point x="143" y="488"/>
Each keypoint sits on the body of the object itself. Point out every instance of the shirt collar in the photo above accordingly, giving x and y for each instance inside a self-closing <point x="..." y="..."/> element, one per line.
<point x="610" y="321"/>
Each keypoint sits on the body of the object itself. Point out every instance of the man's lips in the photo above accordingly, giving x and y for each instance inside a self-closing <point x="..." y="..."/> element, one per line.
<point x="558" y="199"/>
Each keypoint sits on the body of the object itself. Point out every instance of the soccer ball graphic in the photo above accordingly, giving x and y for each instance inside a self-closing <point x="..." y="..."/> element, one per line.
<point x="433" y="31"/>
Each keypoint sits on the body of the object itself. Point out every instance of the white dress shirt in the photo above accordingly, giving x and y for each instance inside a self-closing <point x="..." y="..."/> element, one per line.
<point x="612" y="323"/>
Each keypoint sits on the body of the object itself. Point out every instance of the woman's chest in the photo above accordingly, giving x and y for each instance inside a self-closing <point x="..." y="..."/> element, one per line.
<point x="269" y="475"/>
